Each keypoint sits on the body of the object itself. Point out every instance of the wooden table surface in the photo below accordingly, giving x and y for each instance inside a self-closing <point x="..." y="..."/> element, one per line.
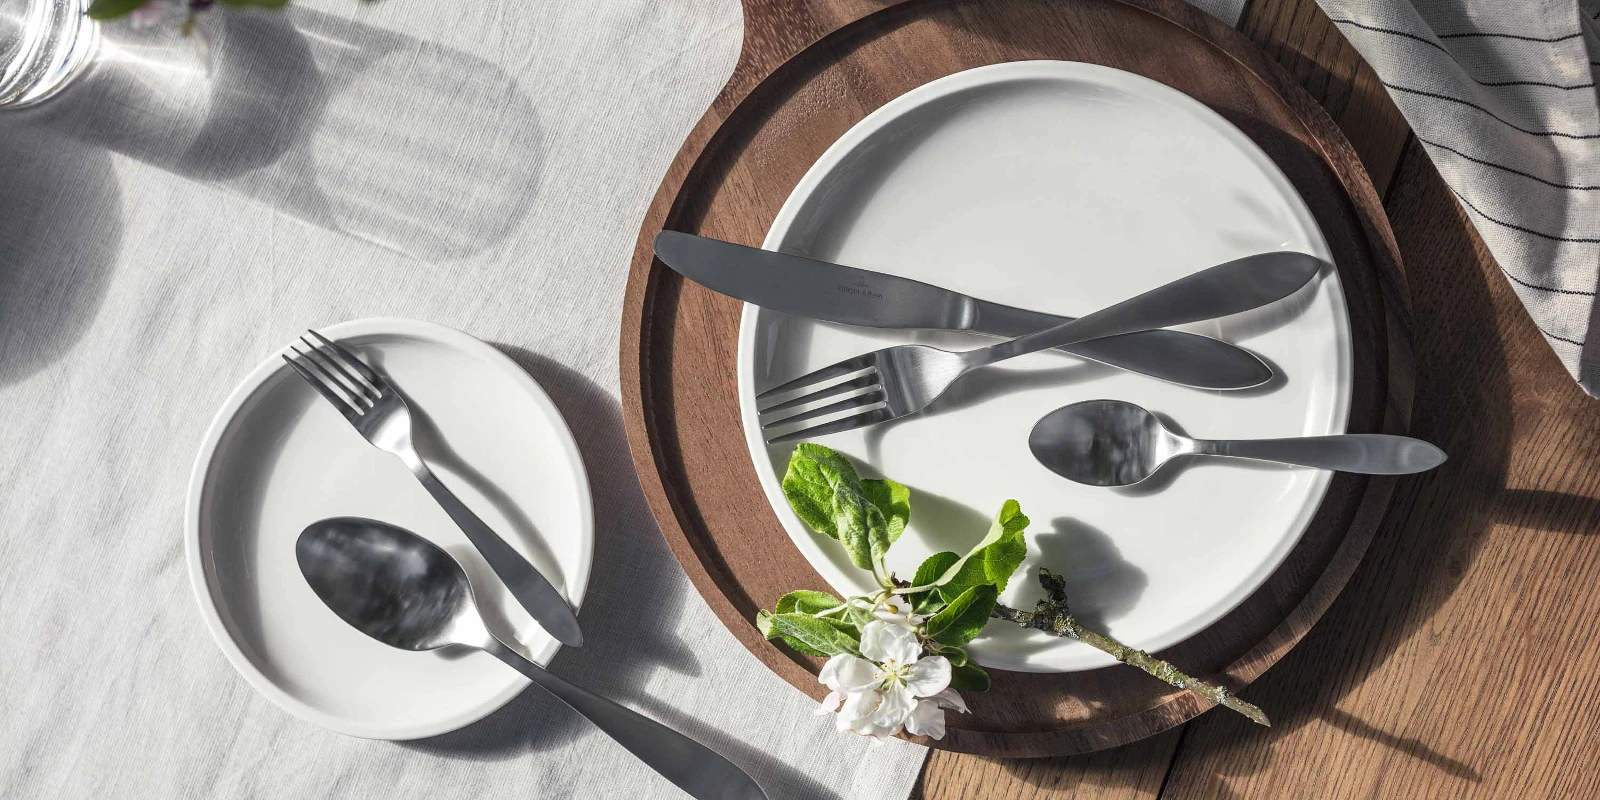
<point x="1462" y="659"/>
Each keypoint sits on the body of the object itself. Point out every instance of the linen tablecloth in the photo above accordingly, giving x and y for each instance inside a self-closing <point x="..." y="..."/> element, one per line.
<point x="481" y="165"/>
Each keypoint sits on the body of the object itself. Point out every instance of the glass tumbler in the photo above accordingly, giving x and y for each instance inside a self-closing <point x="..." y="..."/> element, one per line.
<point x="44" y="45"/>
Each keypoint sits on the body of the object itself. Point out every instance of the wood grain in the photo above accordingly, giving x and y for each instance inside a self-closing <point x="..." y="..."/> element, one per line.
<point x="1135" y="770"/>
<point x="1298" y="35"/>
<point x="753" y="146"/>
<point x="1461" y="659"/>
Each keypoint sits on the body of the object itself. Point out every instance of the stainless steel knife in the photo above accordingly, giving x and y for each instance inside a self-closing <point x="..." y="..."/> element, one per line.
<point x="836" y="293"/>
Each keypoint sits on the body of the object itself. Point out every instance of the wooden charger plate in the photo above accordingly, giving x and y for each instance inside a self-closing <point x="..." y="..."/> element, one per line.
<point x="811" y="70"/>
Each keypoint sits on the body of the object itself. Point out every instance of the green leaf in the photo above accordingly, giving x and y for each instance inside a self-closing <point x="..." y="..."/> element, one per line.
<point x="810" y="635"/>
<point x="826" y="493"/>
<point x="810" y="493"/>
<point x="964" y="618"/>
<point x="806" y="602"/>
<point x="860" y="616"/>
<point x="893" y="499"/>
<point x="929" y="602"/>
<point x="764" y="624"/>
<point x="994" y="558"/>
<point x="113" y="9"/>
<point x="955" y="655"/>
<point x="969" y="678"/>
<point x="798" y="645"/>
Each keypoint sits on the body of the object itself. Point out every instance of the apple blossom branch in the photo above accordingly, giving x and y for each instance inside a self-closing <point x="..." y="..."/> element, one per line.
<point x="1052" y="616"/>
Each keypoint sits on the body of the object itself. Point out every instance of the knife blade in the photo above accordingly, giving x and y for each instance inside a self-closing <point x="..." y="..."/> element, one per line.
<point x="821" y="290"/>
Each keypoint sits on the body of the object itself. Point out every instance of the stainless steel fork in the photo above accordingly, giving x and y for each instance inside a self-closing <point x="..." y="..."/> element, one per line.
<point x="380" y="414"/>
<point x="897" y="381"/>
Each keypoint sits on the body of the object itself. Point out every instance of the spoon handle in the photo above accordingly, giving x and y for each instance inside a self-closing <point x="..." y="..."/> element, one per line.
<point x="695" y="768"/>
<point x="1365" y="453"/>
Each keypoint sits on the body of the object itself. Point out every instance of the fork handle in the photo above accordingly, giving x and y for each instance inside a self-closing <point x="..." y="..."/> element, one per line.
<point x="1225" y="289"/>
<point x="531" y="589"/>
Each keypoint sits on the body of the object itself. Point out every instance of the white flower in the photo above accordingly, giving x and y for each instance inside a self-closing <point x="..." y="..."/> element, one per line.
<point x="887" y="690"/>
<point x="927" y="719"/>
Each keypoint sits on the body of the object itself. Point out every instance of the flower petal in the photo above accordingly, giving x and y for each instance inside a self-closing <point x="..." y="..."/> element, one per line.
<point x="951" y="699"/>
<point x="856" y="713"/>
<point x="860" y="704"/>
<point x="927" y="719"/>
<point x="928" y="676"/>
<point x="896" y="705"/>
<point x="890" y="641"/>
<point x="830" y="703"/>
<point x="844" y="673"/>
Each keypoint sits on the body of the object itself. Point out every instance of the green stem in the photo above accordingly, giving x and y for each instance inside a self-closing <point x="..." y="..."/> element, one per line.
<point x="831" y="611"/>
<point x="1051" y="616"/>
<point x="880" y="573"/>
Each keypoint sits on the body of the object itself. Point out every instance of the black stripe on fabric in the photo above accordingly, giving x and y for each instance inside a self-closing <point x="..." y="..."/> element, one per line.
<point x="1512" y="170"/>
<point x="1514" y="226"/>
<point x="1491" y="114"/>
<point x="1468" y="35"/>
<point x="1440" y="48"/>
<point x="1557" y="338"/>
<point x="1551" y="289"/>
<point x="1429" y="42"/>
<point x="1562" y="86"/>
<point x="1516" y="36"/>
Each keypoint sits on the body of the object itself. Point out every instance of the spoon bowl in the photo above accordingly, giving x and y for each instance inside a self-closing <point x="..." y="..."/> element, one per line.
<point x="390" y="584"/>
<point x="407" y="592"/>
<point x="1112" y="443"/>
<point x="1104" y="443"/>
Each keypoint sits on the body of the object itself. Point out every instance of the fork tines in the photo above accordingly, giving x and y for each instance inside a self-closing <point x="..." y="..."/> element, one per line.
<point x="855" y="388"/>
<point x="337" y="374"/>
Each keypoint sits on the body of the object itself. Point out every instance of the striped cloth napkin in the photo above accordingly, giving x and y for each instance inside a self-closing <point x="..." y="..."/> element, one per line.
<point x="1501" y="93"/>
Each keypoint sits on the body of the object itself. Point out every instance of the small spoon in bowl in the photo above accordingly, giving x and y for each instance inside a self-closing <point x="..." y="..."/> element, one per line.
<point x="1112" y="443"/>
<point x="406" y="592"/>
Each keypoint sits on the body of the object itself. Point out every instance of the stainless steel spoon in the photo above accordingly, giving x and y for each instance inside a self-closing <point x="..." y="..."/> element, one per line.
<point x="1112" y="443"/>
<point x="404" y="591"/>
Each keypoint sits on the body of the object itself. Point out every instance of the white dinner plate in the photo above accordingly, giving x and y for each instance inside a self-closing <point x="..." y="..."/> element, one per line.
<point x="1064" y="187"/>
<point x="279" y="457"/>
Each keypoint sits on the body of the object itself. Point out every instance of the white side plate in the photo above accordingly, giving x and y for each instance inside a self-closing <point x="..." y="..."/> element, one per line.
<point x="1064" y="187"/>
<point x="278" y="457"/>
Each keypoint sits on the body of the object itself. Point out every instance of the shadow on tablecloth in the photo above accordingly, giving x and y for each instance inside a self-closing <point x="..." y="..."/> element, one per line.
<point x="635" y="582"/>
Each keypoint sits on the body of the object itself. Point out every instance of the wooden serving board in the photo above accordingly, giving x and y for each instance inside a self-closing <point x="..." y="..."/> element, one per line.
<point x="809" y="71"/>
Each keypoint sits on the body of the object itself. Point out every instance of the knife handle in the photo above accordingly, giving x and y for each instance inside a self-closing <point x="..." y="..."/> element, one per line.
<point x="1173" y="356"/>
<point x="1237" y="286"/>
